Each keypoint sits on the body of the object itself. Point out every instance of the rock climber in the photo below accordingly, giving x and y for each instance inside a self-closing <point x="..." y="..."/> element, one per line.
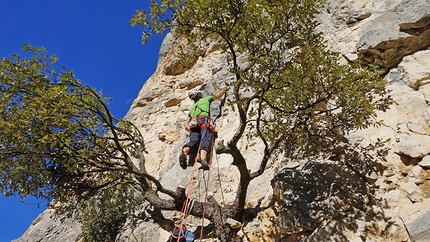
<point x="198" y="124"/>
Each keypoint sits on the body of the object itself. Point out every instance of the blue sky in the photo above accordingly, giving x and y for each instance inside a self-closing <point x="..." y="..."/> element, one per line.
<point x="95" y="40"/>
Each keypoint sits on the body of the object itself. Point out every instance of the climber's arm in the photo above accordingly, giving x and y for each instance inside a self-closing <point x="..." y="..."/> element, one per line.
<point x="187" y="123"/>
<point x="221" y="92"/>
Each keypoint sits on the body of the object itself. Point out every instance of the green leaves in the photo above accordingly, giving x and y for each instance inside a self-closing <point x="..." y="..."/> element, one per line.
<point x="159" y="20"/>
<point x="290" y="91"/>
<point x="58" y="138"/>
<point x="101" y="221"/>
<point x="302" y="95"/>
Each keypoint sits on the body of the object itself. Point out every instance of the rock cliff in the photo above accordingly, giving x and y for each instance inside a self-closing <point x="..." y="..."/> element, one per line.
<point x="395" y="34"/>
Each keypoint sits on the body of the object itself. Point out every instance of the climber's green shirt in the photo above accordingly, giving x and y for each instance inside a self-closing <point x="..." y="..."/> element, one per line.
<point x="201" y="107"/>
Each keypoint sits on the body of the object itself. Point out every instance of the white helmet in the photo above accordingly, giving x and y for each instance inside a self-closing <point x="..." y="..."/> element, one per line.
<point x="193" y="93"/>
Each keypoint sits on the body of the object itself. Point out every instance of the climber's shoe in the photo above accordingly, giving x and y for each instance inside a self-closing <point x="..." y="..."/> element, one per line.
<point x="204" y="164"/>
<point x="183" y="160"/>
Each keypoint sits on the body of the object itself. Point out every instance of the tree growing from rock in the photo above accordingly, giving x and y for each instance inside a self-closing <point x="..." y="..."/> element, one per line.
<point x="290" y="92"/>
<point x="60" y="142"/>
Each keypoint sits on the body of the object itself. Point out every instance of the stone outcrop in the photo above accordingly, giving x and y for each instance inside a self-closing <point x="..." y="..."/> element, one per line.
<point x="380" y="32"/>
<point x="392" y="33"/>
<point x="48" y="227"/>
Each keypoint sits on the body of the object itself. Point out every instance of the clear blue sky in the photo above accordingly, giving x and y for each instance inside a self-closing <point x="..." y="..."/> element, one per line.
<point x="94" y="39"/>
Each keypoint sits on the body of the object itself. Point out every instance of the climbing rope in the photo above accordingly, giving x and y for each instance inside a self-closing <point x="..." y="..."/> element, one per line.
<point x="219" y="181"/>
<point x="207" y="185"/>
<point x="184" y="207"/>
<point x="184" y="211"/>
<point x="209" y="160"/>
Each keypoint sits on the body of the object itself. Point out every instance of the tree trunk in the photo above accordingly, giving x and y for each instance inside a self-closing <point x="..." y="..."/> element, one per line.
<point x="218" y="216"/>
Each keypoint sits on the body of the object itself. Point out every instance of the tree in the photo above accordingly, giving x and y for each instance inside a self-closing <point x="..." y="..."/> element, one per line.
<point x="299" y="99"/>
<point x="60" y="142"/>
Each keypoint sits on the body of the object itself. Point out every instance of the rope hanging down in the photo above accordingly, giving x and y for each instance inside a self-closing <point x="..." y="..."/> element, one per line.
<point x="184" y="211"/>
<point x="190" y="184"/>
<point x="206" y="187"/>
<point x="184" y="207"/>
<point x="210" y="162"/>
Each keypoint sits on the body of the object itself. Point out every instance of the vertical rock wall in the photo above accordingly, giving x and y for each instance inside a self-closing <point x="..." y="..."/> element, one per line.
<point x="392" y="33"/>
<point x="395" y="35"/>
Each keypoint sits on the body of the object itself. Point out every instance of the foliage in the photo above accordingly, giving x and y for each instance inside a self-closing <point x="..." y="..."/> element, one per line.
<point x="59" y="141"/>
<point x="102" y="222"/>
<point x="302" y="95"/>
<point x="290" y="91"/>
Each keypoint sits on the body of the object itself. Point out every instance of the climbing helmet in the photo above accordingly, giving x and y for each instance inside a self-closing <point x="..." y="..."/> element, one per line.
<point x="193" y="93"/>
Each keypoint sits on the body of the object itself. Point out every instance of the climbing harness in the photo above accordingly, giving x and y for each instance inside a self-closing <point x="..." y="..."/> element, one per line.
<point x="184" y="210"/>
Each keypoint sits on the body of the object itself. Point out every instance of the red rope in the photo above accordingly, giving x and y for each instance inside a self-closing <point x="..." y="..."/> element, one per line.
<point x="184" y="207"/>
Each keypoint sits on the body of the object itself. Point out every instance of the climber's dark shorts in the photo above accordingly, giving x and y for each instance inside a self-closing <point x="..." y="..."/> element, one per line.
<point x="201" y="135"/>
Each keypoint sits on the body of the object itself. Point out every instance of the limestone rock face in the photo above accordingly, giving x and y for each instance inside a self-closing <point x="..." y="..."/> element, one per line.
<point x="378" y="31"/>
<point x="48" y="228"/>
<point x="393" y="33"/>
